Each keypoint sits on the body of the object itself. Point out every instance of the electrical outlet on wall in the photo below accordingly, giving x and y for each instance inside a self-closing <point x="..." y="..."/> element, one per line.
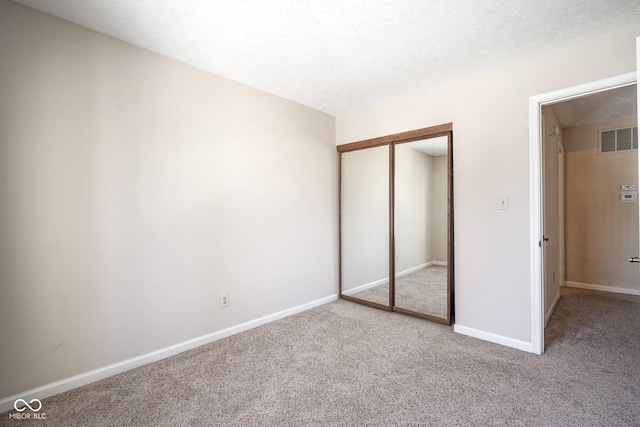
<point x="224" y="300"/>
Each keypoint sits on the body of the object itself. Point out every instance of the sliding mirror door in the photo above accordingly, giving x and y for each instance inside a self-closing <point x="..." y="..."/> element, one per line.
<point x="364" y="219"/>
<point x="396" y="227"/>
<point x="422" y="171"/>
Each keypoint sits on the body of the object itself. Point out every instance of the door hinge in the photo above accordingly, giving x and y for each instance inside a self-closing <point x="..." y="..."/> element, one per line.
<point x="544" y="239"/>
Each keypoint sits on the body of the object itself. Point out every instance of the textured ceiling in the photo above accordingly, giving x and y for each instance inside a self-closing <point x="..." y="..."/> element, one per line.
<point x="433" y="146"/>
<point x="600" y="107"/>
<point x="342" y="55"/>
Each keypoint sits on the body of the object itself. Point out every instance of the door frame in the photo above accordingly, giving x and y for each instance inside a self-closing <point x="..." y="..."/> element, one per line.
<point x="561" y="214"/>
<point x="536" y="185"/>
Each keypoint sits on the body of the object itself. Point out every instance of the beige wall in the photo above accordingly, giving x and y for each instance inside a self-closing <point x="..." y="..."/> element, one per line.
<point x="413" y="194"/>
<point x="490" y="115"/>
<point x="439" y="229"/>
<point x="135" y="190"/>
<point x="601" y="231"/>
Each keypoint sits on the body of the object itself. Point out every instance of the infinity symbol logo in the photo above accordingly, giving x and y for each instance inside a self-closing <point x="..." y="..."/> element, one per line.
<point x="24" y="402"/>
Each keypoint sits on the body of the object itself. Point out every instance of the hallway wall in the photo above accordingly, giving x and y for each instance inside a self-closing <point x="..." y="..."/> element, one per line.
<point x="601" y="231"/>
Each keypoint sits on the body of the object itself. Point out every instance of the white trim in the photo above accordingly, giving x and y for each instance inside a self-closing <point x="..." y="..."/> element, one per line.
<point x="535" y="183"/>
<point x="498" y="339"/>
<point x="366" y="286"/>
<point x="550" y="312"/>
<point x="6" y="404"/>
<point x="370" y="285"/>
<point x="420" y="267"/>
<point x="412" y="269"/>
<point x="604" y="288"/>
<point x="444" y="263"/>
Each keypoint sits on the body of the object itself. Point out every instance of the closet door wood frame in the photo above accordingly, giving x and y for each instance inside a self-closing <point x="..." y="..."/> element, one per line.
<point x="389" y="140"/>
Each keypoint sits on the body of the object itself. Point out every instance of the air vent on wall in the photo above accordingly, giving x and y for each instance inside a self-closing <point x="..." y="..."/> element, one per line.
<point x="620" y="139"/>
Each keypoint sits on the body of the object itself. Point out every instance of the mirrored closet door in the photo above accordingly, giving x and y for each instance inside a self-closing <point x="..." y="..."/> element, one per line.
<point x="396" y="233"/>
<point x="365" y="209"/>
<point x="421" y="228"/>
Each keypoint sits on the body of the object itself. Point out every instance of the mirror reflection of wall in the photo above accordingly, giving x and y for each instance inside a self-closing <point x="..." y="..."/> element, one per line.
<point x="365" y="224"/>
<point x="421" y="227"/>
<point x="396" y="230"/>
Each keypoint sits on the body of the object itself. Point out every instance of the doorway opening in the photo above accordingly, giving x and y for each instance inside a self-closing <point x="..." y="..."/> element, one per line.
<point x="539" y="307"/>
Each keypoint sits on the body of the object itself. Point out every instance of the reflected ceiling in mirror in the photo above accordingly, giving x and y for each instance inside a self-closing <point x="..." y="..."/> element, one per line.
<point x="433" y="146"/>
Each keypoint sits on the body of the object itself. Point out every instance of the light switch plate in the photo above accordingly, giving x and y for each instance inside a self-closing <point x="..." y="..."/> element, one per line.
<point x="504" y="203"/>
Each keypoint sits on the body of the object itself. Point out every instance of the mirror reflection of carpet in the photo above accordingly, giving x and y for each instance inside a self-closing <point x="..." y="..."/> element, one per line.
<point x="423" y="291"/>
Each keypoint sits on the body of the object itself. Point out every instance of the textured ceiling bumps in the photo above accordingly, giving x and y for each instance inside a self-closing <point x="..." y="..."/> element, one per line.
<point x="600" y="107"/>
<point x="342" y="55"/>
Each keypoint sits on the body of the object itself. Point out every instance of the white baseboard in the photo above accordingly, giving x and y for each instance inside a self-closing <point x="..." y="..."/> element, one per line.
<point x="603" y="288"/>
<point x="366" y="286"/>
<point x="550" y="312"/>
<point x="370" y="285"/>
<point x="420" y="267"/>
<point x="412" y="269"/>
<point x="498" y="339"/>
<point x="6" y="403"/>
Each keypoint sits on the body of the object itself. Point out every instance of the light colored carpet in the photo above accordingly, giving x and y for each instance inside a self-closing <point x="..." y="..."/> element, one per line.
<point x="379" y="294"/>
<point x="423" y="291"/>
<point x="344" y="364"/>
